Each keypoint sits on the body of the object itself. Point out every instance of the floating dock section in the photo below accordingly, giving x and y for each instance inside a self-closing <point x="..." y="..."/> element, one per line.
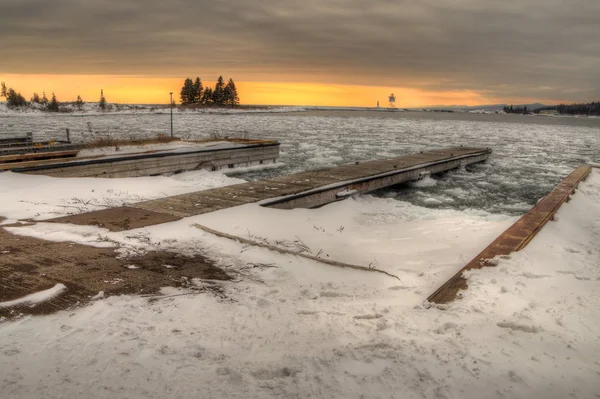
<point x="301" y="190"/>
<point x="211" y="156"/>
<point x="516" y="237"/>
<point x="26" y="145"/>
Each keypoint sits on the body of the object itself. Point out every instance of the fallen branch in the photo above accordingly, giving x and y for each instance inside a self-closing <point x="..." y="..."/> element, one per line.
<point x="289" y="252"/>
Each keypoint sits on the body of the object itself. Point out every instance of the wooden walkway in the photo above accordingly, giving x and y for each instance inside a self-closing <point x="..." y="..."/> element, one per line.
<point x="305" y="189"/>
<point x="517" y="236"/>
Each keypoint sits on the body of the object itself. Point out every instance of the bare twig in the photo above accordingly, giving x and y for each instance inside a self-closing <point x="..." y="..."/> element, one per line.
<point x="290" y="252"/>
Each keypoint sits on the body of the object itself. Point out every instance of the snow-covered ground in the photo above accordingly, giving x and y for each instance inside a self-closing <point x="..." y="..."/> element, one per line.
<point x="291" y="327"/>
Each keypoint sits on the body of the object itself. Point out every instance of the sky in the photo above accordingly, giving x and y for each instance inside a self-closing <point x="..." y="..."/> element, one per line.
<point x="306" y="52"/>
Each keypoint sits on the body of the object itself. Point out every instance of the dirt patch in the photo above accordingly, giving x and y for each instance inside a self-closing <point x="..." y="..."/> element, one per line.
<point x="117" y="219"/>
<point x="29" y="265"/>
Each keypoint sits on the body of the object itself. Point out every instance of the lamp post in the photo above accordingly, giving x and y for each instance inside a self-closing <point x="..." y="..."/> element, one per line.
<point x="171" y="106"/>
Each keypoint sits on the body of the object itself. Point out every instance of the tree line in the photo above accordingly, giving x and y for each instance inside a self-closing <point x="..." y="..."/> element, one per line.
<point x="516" y="110"/>
<point x="592" y="108"/>
<point x="194" y="92"/>
<point x="15" y="99"/>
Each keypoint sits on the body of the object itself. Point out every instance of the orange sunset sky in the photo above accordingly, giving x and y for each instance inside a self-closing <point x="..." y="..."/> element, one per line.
<point x="155" y="90"/>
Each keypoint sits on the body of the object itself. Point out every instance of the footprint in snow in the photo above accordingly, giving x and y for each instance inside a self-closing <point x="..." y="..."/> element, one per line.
<point x="371" y="316"/>
<point x="533" y="276"/>
<point x="519" y="327"/>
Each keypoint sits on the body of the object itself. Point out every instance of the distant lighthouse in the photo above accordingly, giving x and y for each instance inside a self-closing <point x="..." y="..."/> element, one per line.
<point x="392" y="101"/>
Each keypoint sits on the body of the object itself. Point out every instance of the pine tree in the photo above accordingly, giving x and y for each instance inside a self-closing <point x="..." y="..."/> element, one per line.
<point x="207" y="96"/>
<point x="44" y="99"/>
<point x="53" y="105"/>
<point x="227" y="95"/>
<point x="35" y="98"/>
<point x="218" y="94"/>
<point x="14" y="99"/>
<point x="187" y="92"/>
<point x="102" y="103"/>
<point x="231" y="94"/>
<point x="198" y="91"/>
<point x="79" y="103"/>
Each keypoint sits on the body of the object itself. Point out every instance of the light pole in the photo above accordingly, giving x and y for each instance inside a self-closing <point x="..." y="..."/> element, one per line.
<point x="171" y="105"/>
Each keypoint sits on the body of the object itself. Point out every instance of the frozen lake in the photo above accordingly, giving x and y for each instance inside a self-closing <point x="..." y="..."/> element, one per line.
<point x="531" y="153"/>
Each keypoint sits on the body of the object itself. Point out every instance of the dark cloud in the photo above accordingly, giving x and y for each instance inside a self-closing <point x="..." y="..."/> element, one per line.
<point x="547" y="49"/>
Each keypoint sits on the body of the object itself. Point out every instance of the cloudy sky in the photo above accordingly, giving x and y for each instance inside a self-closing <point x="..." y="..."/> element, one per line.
<point x="320" y="51"/>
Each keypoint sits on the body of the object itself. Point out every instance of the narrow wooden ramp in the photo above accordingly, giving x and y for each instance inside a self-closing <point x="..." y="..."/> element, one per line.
<point x="517" y="236"/>
<point x="305" y="189"/>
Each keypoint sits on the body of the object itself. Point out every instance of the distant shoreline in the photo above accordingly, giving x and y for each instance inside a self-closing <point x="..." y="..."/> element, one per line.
<point x="93" y="109"/>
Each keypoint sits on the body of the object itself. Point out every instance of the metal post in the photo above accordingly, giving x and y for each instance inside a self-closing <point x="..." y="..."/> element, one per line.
<point x="171" y="105"/>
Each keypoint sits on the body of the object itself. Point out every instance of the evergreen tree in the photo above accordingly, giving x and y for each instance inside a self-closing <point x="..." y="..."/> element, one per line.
<point x="198" y="91"/>
<point x="14" y="99"/>
<point x="227" y="95"/>
<point x="231" y="94"/>
<point x="102" y="103"/>
<point x="44" y="99"/>
<point x="79" y="103"/>
<point x="187" y="94"/>
<point x="53" y="105"/>
<point x="207" y="96"/>
<point x="35" y="98"/>
<point x="218" y="94"/>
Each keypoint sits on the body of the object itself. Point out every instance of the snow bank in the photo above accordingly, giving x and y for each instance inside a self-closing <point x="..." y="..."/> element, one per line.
<point x="36" y="298"/>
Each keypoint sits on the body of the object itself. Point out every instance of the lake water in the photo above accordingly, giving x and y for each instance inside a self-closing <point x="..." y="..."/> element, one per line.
<point x="531" y="154"/>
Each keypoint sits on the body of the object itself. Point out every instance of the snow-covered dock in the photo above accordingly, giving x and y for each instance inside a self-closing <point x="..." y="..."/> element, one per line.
<point x="127" y="162"/>
<point x="301" y="190"/>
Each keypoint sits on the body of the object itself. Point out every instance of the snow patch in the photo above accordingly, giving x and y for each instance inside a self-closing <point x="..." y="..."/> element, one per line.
<point x="36" y="298"/>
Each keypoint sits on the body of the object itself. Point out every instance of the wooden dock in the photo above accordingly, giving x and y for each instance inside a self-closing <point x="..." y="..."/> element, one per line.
<point x="300" y="190"/>
<point x="25" y="145"/>
<point x="516" y="237"/>
<point x="223" y="154"/>
<point x="23" y="159"/>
